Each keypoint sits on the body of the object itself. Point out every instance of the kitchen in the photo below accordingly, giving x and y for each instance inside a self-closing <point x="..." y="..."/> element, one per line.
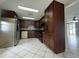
<point x="48" y="29"/>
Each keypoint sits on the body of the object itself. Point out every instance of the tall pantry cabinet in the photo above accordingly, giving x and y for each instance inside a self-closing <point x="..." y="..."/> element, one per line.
<point x="54" y="34"/>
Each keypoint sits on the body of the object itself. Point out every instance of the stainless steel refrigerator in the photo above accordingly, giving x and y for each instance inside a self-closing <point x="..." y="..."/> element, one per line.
<point x="9" y="32"/>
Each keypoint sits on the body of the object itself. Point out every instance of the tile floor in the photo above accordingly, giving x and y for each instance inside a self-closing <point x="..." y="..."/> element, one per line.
<point x="29" y="48"/>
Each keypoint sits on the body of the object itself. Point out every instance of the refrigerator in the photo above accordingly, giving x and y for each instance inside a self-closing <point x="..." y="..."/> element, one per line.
<point x="9" y="32"/>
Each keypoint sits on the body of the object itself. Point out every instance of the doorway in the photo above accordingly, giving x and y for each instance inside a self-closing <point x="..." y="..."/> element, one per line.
<point x="72" y="41"/>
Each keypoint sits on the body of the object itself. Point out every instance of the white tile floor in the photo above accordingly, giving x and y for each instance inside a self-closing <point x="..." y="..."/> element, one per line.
<point x="29" y="48"/>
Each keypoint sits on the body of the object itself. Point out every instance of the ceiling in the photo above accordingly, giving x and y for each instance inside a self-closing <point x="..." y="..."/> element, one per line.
<point x="40" y="5"/>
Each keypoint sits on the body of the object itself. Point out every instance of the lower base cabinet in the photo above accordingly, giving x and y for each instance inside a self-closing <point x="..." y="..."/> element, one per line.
<point x="31" y="34"/>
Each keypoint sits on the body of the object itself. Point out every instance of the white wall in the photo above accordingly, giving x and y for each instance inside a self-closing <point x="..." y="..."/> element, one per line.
<point x="69" y="14"/>
<point x="70" y="50"/>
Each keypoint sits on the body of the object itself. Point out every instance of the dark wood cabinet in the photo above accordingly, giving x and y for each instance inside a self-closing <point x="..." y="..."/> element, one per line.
<point x="31" y="34"/>
<point x="54" y="34"/>
<point x="36" y="24"/>
<point x="26" y="23"/>
<point x="8" y="14"/>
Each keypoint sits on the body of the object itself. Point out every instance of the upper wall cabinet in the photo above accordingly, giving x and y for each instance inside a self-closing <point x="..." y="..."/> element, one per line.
<point x="27" y="23"/>
<point x="8" y="14"/>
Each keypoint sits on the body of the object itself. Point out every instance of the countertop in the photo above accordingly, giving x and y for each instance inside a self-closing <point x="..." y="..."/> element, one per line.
<point x="34" y="29"/>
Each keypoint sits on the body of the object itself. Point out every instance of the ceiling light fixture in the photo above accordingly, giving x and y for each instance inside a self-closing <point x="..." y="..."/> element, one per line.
<point x="28" y="18"/>
<point x="28" y="9"/>
<point x="75" y="19"/>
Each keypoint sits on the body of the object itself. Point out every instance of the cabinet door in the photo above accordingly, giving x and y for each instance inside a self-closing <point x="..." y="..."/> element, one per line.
<point x="31" y="34"/>
<point x="46" y="41"/>
<point x="51" y="42"/>
<point x="44" y="37"/>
